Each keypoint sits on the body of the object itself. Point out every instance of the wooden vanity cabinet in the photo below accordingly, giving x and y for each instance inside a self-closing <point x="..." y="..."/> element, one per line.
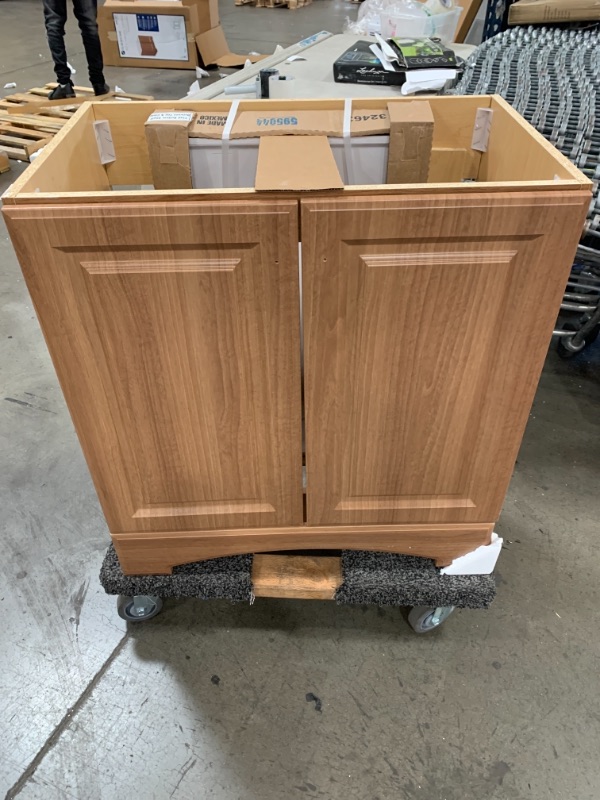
<point x="173" y="321"/>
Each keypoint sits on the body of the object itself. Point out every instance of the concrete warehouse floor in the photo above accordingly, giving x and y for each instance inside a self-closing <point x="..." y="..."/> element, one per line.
<point x="495" y="705"/>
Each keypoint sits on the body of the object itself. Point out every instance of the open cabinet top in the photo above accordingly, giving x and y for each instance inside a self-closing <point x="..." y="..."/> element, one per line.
<point x="69" y="169"/>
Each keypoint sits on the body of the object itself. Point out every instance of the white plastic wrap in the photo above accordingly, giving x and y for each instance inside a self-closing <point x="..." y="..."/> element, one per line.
<point x="440" y="26"/>
<point x="406" y="18"/>
<point x="368" y="21"/>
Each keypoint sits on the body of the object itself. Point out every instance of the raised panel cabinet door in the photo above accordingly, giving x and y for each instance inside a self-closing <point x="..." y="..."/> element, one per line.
<point x="174" y="330"/>
<point x="426" y="323"/>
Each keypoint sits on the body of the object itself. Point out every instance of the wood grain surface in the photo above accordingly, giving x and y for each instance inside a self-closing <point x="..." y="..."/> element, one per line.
<point x="173" y="322"/>
<point x="529" y="154"/>
<point x="85" y="180"/>
<point x="175" y="336"/>
<point x="426" y="323"/>
<point x="467" y="17"/>
<point x="296" y="577"/>
<point x="157" y="553"/>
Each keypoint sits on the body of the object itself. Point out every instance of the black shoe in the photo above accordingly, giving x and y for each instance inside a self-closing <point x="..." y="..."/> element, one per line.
<point x="62" y="91"/>
<point x="103" y="88"/>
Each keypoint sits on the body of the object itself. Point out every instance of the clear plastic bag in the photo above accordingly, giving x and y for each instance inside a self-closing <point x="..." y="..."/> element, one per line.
<point x="368" y="21"/>
<point x="405" y="17"/>
<point x="440" y="26"/>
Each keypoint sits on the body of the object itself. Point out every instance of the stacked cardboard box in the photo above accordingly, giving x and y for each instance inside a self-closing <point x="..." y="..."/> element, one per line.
<point x="525" y="12"/>
<point x="178" y="34"/>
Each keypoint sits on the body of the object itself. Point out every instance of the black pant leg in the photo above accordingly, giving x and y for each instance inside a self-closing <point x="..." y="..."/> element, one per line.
<point x="55" y="16"/>
<point x="86" y="12"/>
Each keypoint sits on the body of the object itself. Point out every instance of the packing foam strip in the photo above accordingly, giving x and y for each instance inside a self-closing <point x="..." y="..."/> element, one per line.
<point x="225" y="138"/>
<point x="347" y="134"/>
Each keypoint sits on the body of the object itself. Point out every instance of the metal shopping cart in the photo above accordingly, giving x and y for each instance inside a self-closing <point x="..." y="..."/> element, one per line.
<point x="551" y="76"/>
<point x="578" y="323"/>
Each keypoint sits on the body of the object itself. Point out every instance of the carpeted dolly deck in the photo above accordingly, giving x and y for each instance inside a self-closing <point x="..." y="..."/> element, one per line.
<point x="355" y="577"/>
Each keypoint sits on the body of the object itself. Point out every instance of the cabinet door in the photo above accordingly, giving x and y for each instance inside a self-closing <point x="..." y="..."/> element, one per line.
<point x="174" y="330"/>
<point x="426" y="323"/>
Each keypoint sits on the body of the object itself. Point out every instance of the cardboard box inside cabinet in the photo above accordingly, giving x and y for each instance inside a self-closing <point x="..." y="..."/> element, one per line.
<point x="297" y="133"/>
<point x="411" y="136"/>
<point x="525" y="12"/>
<point x="167" y="137"/>
<point x="395" y="142"/>
<point x="280" y="120"/>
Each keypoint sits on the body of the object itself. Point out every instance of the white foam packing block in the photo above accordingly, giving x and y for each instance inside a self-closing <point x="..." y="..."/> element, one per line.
<point x="369" y="155"/>
<point x="481" y="561"/>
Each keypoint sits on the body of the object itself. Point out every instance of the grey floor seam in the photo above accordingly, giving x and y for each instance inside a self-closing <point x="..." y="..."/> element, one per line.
<point x="71" y="712"/>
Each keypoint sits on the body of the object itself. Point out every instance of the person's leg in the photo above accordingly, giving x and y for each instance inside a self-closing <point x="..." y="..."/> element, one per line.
<point x="86" y="12"/>
<point x="55" y="16"/>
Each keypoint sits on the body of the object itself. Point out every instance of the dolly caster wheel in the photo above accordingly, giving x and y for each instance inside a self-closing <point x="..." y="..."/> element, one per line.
<point x="138" y="608"/>
<point x="423" y="619"/>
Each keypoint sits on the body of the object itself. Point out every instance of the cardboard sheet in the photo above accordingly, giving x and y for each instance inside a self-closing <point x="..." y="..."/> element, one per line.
<point x="526" y="11"/>
<point x="411" y="137"/>
<point x="296" y="164"/>
<point x="167" y="138"/>
<point x="213" y="49"/>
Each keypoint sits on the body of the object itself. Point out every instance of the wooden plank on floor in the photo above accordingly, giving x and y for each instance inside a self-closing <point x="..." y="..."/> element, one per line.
<point x="297" y="577"/>
<point x="13" y="152"/>
<point x="26" y="97"/>
<point x="56" y="114"/>
<point x="39" y="104"/>
<point x="86" y="90"/>
<point x="36" y="121"/>
<point x="23" y="133"/>
<point x="27" y="145"/>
